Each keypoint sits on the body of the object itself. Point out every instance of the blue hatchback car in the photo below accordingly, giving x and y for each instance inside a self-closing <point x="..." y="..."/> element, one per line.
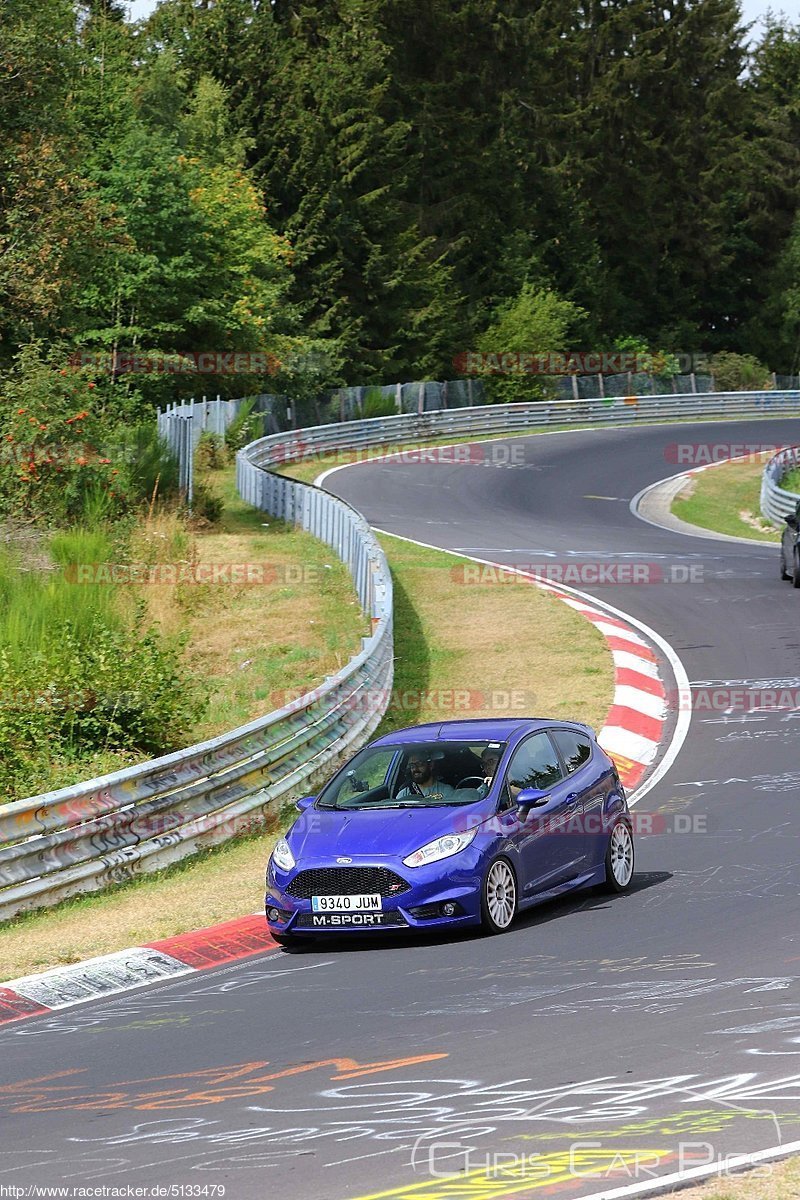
<point x="452" y="824"/>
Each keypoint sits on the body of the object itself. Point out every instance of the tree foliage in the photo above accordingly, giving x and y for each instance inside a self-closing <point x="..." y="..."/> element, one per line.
<point x="358" y="187"/>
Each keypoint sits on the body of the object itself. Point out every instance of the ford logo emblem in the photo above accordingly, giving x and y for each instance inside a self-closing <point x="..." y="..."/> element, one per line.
<point x="344" y="860"/>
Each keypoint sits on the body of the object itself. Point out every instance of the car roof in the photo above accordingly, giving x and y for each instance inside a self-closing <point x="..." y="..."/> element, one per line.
<point x="489" y="729"/>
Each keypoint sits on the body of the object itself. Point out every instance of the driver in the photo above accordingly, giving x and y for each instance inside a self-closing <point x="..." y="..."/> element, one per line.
<point x="423" y="779"/>
<point x="489" y="760"/>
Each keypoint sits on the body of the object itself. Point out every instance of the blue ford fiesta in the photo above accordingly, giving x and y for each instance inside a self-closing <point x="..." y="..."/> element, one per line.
<point x="452" y="824"/>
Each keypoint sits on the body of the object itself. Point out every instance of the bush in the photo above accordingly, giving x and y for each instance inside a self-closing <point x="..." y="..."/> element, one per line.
<point x="211" y="452"/>
<point x="80" y="675"/>
<point x="207" y="504"/>
<point x="245" y="427"/>
<point x="150" y="467"/>
<point x="536" y="321"/>
<point x="51" y="431"/>
<point x="738" y="373"/>
<point x="377" y="405"/>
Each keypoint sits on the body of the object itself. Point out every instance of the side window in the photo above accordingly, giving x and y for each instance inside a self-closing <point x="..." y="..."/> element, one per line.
<point x="535" y="764"/>
<point x="576" y="749"/>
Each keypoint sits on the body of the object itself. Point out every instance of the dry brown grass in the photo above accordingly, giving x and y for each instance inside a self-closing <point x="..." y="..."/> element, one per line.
<point x="252" y="642"/>
<point x="509" y="647"/>
<point x="771" y="1181"/>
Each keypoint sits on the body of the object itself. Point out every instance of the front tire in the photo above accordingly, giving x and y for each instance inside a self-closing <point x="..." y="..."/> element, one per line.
<point x="784" y="573"/>
<point x="498" y="897"/>
<point x="619" y="858"/>
<point x="796" y="569"/>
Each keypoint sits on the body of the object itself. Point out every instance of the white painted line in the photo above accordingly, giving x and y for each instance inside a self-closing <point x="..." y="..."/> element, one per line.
<point x="684" y="716"/>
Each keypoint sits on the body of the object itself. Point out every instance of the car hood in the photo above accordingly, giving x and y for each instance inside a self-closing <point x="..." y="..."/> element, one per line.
<point x="375" y="833"/>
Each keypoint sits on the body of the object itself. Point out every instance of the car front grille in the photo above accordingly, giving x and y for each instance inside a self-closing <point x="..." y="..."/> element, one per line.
<point x="346" y="881"/>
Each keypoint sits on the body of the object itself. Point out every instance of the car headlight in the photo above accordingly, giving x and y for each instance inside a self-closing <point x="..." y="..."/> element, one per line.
<point x="443" y="847"/>
<point x="282" y="855"/>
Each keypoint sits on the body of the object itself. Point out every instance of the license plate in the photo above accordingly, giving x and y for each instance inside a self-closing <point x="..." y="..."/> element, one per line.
<point x="364" y="903"/>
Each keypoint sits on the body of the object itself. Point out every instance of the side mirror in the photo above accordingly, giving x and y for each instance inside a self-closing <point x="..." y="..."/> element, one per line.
<point x="305" y="803"/>
<point x="532" y="798"/>
<point x="791" y="520"/>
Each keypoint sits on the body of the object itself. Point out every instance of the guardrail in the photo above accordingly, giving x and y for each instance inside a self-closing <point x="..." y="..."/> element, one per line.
<point x="86" y="837"/>
<point x="775" y="502"/>
<point x="89" y="836"/>
<point x="277" y="449"/>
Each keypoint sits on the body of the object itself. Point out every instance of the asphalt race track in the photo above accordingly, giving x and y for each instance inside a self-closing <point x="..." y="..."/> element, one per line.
<point x="602" y="1043"/>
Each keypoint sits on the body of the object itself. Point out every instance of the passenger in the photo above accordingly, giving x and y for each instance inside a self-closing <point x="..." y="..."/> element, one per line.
<point x="423" y="779"/>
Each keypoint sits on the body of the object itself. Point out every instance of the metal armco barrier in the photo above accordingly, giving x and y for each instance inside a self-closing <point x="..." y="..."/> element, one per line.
<point x="86" y="837"/>
<point x="775" y="502"/>
<point x="353" y="436"/>
<point x="89" y="836"/>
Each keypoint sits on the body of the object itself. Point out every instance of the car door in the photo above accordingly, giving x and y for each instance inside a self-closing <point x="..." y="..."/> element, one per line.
<point x="545" y="838"/>
<point x="592" y="780"/>
<point x="789" y="539"/>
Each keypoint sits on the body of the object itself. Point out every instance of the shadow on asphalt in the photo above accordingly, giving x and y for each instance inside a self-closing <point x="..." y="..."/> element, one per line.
<point x="573" y="904"/>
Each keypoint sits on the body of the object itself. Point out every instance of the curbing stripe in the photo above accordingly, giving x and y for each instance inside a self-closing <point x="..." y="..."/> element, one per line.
<point x="109" y="974"/>
<point x="103" y="976"/>
<point x="617" y="740"/>
<point x="635" y="721"/>
<point x="635" y="662"/>
<point x="14" y="1007"/>
<point x="642" y="652"/>
<point x="614" y="630"/>
<point x="630" y="677"/>
<point x="639" y="699"/>
<point x="202" y="948"/>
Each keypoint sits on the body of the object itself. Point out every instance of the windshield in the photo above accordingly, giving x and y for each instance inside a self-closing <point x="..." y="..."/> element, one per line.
<point x="415" y="775"/>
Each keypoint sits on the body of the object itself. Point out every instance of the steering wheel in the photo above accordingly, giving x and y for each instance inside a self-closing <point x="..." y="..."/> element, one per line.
<point x="470" y="781"/>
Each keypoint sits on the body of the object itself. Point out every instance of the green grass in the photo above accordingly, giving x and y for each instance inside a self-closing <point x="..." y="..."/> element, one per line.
<point x="727" y="500"/>
<point x="33" y="602"/>
<point x="791" y="481"/>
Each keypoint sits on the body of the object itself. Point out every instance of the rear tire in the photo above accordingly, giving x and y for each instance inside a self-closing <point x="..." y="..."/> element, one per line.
<point x="498" y="897"/>
<point x="620" y="857"/>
